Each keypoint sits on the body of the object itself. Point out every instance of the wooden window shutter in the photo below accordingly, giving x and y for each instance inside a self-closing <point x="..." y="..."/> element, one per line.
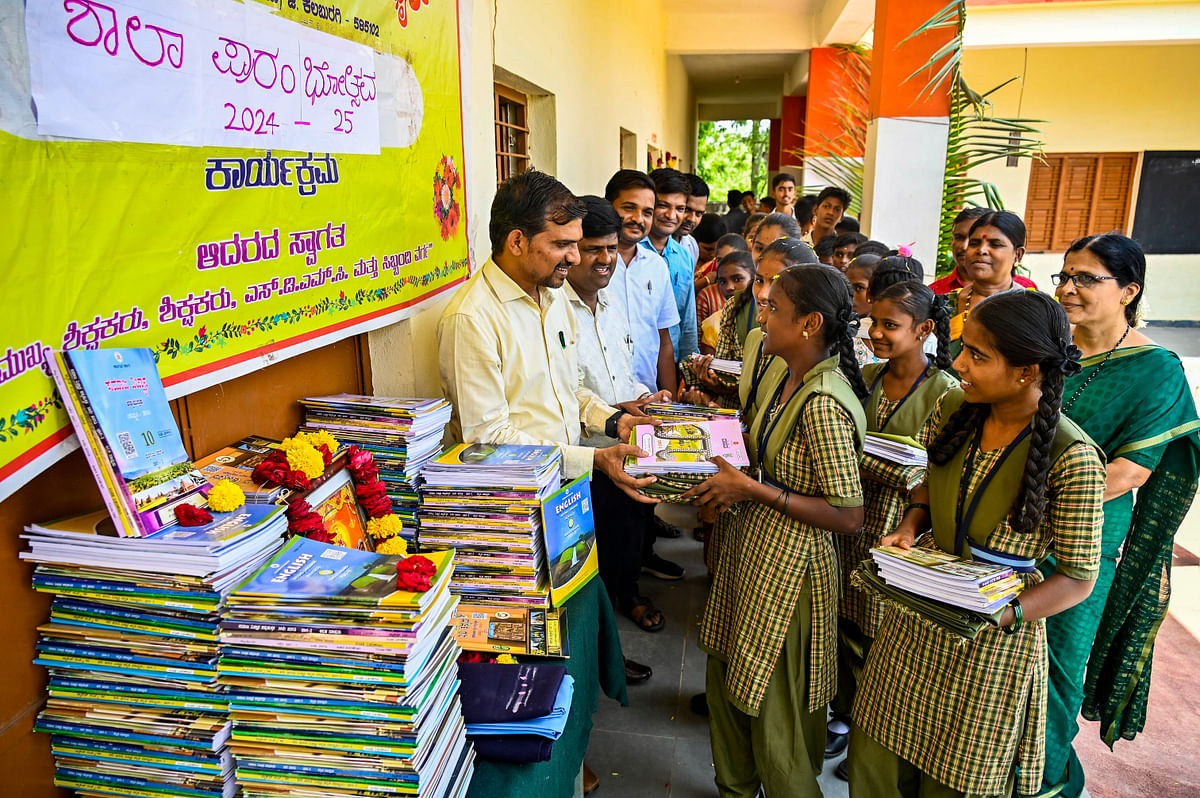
<point x="1041" y="203"/>
<point x="1077" y="194"/>
<point x="1114" y="186"/>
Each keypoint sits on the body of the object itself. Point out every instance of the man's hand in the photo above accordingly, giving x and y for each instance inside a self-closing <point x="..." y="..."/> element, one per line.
<point x="611" y="460"/>
<point x="723" y="489"/>
<point x="695" y="396"/>
<point x="631" y="419"/>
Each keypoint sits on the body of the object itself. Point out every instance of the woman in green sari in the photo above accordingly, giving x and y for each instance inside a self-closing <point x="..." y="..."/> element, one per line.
<point x="1152" y="445"/>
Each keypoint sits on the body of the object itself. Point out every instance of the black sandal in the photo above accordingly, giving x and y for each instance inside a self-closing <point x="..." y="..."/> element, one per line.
<point x="641" y="613"/>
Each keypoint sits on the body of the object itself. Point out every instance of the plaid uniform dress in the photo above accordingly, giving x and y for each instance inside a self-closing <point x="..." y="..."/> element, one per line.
<point x="969" y="713"/>
<point x="765" y="557"/>
<point x="882" y="508"/>
<point x="730" y="338"/>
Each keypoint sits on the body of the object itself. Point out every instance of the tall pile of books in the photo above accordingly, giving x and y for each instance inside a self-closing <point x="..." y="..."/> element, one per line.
<point x="485" y="502"/>
<point x="341" y="683"/>
<point x="402" y="434"/>
<point x="134" y="706"/>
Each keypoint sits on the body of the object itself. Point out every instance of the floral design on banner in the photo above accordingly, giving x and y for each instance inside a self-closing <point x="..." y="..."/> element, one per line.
<point x="27" y="419"/>
<point x="445" y="206"/>
<point x="402" y="9"/>
<point x="216" y="338"/>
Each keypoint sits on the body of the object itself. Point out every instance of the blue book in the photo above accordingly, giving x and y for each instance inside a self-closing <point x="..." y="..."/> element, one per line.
<point x="310" y="572"/>
<point x="569" y="531"/>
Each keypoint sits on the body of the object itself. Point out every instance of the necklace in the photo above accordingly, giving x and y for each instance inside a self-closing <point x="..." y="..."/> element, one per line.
<point x="1067" y="405"/>
<point x="966" y="311"/>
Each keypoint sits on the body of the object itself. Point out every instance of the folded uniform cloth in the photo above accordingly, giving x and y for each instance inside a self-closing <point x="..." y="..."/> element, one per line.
<point x="492" y="693"/>
<point x="515" y="748"/>
<point x="958" y="621"/>
<point x="550" y="726"/>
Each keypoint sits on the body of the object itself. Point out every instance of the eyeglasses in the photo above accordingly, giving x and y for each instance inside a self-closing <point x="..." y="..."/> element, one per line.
<point x="1080" y="280"/>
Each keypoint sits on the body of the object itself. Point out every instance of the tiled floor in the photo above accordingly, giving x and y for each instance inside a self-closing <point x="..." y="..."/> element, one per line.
<point x="656" y="747"/>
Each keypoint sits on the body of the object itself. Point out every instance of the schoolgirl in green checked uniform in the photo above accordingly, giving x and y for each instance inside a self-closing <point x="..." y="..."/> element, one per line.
<point x="904" y="389"/>
<point x="770" y="623"/>
<point x="1009" y="479"/>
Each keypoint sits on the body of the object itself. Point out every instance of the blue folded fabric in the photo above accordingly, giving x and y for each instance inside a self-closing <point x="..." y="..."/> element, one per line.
<point x="550" y="726"/>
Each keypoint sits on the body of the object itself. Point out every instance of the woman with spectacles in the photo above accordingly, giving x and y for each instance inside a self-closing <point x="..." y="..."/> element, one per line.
<point x="1150" y="438"/>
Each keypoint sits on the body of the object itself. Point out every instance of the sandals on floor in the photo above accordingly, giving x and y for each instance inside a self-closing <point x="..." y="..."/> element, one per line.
<point x="642" y="612"/>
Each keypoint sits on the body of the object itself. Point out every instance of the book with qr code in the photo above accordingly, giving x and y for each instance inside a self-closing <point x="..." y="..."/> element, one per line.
<point x="120" y="413"/>
<point x="569" y="532"/>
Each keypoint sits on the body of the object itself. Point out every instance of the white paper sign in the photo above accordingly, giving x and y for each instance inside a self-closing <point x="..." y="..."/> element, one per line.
<point x="227" y="75"/>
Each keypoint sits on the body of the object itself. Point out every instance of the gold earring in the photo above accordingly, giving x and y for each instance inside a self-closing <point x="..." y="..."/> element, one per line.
<point x="1022" y="380"/>
<point x="1124" y="301"/>
<point x="805" y="334"/>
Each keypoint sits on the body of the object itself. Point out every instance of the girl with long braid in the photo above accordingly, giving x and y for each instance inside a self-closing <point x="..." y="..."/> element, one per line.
<point x="1009" y="479"/>
<point x="770" y="624"/>
<point x="904" y="389"/>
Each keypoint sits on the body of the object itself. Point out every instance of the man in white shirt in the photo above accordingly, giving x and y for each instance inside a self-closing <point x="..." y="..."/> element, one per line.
<point x="605" y="355"/>
<point x="642" y="282"/>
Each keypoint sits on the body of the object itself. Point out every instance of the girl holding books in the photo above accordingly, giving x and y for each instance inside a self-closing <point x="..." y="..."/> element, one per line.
<point x="1153" y="446"/>
<point x="1009" y="478"/>
<point x="770" y="624"/>
<point x="904" y="389"/>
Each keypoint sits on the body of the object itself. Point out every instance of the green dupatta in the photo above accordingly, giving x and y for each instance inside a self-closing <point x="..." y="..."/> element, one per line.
<point x="1118" y="672"/>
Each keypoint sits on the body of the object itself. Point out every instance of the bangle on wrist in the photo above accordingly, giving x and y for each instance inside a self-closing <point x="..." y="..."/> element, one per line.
<point x="1018" y="617"/>
<point x="916" y="506"/>
<point x="782" y="495"/>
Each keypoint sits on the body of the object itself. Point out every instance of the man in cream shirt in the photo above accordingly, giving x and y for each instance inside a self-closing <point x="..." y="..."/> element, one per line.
<point x="507" y="340"/>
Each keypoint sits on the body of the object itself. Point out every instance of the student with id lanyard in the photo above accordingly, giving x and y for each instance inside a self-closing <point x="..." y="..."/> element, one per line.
<point x="904" y="389"/>
<point x="770" y="624"/>
<point x="1009" y="480"/>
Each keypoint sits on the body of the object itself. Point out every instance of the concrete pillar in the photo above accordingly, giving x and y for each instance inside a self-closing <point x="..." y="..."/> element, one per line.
<point x="906" y="135"/>
<point x="835" y="101"/>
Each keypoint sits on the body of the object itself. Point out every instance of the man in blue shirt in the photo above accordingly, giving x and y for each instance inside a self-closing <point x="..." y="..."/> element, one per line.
<point x="672" y="190"/>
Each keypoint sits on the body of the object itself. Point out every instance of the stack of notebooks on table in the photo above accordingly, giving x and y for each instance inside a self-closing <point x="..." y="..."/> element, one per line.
<point x="672" y="411"/>
<point x="340" y="683"/>
<point x="134" y="705"/>
<point x="514" y="713"/>
<point x="959" y="595"/>
<point x="117" y="405"/>
<point x="679" y="454"/>
<point x="485" y="502"/>
<point x="402" y="434"/>
<point x="901" y="450"/>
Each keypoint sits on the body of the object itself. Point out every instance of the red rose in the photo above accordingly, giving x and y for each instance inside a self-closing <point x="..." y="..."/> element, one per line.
<point x="474" y="656"/>
<point x="361" y="464"/>
<point x="298" y="510"/>
<point x="297" y="480"/>
<point x="415" y="573"/>
<point x="321" y="535"/>
<point x="326" y="455"/>
<point x="270" y="472"/>
<point x="302" y="520"/>
<point x="191" y="515"/>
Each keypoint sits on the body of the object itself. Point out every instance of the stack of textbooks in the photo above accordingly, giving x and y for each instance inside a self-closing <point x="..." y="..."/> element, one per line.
<point x="402" y="434"/>
<point x="730" y="367"/>
<point x="679" y="454"/>
<point x="485" y="502"/>
<point x="672" y="411"/>
<point x="901" y="450"/>
<point x="933" y="574"/>
<point x="236" y="463"/>
<point x="117" y="405"/>
<point x="134" y="706"/>
<point x="341" y="683"/>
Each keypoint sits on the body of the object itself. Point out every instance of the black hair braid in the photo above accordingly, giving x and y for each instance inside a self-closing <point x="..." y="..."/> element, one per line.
<point x="1030" y="504"/>
<point x="848" y="363"/>
<point x="939" y="311"/>
<point x="957" y="430"/>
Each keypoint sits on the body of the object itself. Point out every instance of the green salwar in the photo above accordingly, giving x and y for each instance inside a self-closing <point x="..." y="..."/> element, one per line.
<point x="1158" y="432"/>
<point x="880" y="773"/>
<point x="781" y="750"/>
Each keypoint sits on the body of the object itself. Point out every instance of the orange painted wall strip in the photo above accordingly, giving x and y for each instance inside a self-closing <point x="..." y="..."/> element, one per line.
<point x="791" y="133"/>
<point x="892" y="93"/>
<point x="824" y="114"/>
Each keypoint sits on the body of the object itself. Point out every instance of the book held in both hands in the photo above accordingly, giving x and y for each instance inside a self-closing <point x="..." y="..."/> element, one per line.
<point x="679" y="455"/>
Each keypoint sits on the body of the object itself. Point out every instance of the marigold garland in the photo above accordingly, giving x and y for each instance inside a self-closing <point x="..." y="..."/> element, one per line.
<point x="506" y="659"/>
<point x="395" y="546"/>
<point x="303" y="457"/>
<point x="225" y="497"/>
<point x="385" y="527"/>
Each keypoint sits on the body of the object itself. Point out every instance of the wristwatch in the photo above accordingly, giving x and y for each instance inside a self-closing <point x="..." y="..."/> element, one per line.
<point x="610" y="426"/>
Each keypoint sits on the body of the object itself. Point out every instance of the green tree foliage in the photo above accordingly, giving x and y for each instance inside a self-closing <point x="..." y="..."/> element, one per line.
<point x="733" y="155"/>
